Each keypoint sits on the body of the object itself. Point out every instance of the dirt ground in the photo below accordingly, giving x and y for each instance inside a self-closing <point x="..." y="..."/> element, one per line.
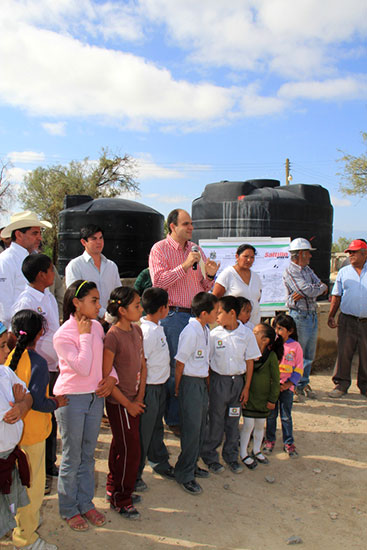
<point x="320" y="497"/>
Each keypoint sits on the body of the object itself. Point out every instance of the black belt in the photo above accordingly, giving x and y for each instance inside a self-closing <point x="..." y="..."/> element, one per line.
<point x="359" y="319"/>
<point x="180" y="309"/>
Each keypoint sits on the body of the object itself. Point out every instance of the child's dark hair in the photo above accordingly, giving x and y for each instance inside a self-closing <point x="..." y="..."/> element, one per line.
<point x="230" y="302"/>
<point x="89" y="230"/>
<point x="276" y="342"/>
<point x="153" y="298"/>
<point x="122" y="296"/>
<point x="203" y="301"/>
<point x="243" y="302"/>
<point x="25" y="325"/>
<point x="78" y="289"/>
<point x="34" y="264"/>
<point x="287" y="322"/>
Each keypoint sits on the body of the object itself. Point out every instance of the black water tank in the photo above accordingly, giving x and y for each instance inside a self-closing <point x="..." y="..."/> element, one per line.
<point x="130" y="230"/>
<point x="263" y="208"/>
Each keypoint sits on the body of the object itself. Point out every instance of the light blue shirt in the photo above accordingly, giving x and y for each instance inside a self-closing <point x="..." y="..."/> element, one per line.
<point x="106" y="278"/>
<point x="352" y="288"/>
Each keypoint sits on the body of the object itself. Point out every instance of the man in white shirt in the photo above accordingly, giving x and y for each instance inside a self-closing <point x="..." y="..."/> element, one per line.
<point x="25" y="232"/>
<point x="92" y="265"/>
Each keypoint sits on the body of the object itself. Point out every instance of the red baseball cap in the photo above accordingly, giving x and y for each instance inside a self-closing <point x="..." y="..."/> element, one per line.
<point x="356" y="245"/>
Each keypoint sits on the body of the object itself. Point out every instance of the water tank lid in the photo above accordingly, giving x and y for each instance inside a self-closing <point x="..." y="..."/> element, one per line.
<point x="113" y="204"/>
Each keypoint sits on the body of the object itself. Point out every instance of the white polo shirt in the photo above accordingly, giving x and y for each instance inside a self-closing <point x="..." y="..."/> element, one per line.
<point x="156" y="352"/>
<point x="10" y="434"/>
<point x="230" y="349"/>
<point x="12" y="280"/>
<point x="45" y="304"/>
<point x="193" y="349"/>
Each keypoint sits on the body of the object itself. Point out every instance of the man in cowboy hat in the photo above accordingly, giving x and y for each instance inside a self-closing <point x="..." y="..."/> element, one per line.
<point x="25" y="232"/>
<point x="350" y="294"/>
<point x="303" y="287"/>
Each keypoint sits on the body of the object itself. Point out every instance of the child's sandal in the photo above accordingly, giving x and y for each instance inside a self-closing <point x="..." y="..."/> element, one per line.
<point x="77" y="523"/>
<point x="250" y="465"/>
<point x="95" y="518"/>
<point x="262" y="459"/>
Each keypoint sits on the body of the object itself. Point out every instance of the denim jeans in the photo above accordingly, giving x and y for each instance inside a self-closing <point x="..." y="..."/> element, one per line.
<point x="79" y="424"/>
<point x="284" y="404"/>
<point x="173" y="325"/>
<point x="307" y="336"/>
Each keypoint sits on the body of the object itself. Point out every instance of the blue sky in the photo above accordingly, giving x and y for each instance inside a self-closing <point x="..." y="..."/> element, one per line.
<point x="197" y="91"/>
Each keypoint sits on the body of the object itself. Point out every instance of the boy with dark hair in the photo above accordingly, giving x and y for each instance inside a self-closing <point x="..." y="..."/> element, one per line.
<point x="155" y="304"/>
<point x="39" y="272"/>
<point x="233" y="349"/>
<point x="192" y="369"/>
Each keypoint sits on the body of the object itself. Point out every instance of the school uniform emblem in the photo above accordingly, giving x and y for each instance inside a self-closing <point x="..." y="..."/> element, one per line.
<point x="220" y="344"/>
<point x="199" y="354"/>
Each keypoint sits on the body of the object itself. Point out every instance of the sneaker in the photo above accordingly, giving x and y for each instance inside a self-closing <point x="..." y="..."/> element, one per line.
<point x="47" y="487"/>
<point x="235" y="467"/>
<point x="192" y="487"/>
<point x="200" y="472"/>
<point x="336" y="393"/>
<point x="268" y="447"/>
<point x="215" y="468"/>
<point x="299" y="396"/>
<point x="140" y="486"/>
<point x="310" y="394"/>
<point x="39" y="544"/>
<point x="128" y="512"/>
<point x="169" y="473"/>
<point x="291" y="450"/>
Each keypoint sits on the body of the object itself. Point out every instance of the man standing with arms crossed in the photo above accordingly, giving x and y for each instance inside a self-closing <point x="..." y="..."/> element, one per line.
<point x="180" y="267"/>
<point x="350" y="294"/>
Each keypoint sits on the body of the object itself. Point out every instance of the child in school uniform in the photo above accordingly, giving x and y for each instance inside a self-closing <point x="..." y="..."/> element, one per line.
<point x="233" y="349"/>
<point x="192" y="369"/>
<point x="155" y="304"/>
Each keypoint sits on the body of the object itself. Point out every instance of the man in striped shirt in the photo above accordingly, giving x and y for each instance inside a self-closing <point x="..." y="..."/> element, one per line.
<point x="182" y="271"/>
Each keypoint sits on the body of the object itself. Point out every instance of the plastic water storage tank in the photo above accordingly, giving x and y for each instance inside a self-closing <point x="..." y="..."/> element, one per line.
<point x="130" y="230"/>
<point x="263" y="208"/>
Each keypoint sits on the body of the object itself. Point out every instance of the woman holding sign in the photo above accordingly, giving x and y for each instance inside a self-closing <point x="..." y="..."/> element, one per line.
<point x="239" y="280"/>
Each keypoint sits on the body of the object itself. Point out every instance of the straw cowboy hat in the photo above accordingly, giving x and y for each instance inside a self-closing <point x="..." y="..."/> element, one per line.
<point x="23" y="219"/>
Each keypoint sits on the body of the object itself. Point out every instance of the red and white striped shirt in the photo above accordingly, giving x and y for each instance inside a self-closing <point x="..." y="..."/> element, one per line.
<point x="165" y="265"/>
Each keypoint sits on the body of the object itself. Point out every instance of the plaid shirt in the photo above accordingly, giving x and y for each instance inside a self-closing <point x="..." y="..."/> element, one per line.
<point x="304" y="281"/>
<point x="165" y="265"/>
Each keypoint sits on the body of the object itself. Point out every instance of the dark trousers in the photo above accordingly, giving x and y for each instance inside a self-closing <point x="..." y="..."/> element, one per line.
<point x="352" y="336"/>
<point x="193" y="403"/>
<point x="284" y="407"/>
<point x="124" y="456"/>
<point x="224" y="392"/>
<point x="52" y="438"/>
<point x="151" y="429"/>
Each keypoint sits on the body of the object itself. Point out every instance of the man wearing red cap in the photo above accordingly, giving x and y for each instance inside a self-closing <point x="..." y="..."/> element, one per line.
<point x="350" y="294"/>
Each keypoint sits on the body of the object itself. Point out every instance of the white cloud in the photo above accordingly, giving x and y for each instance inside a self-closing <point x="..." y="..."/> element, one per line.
<point x="148" y="169"/>
<point x="25" y="157"/>
<point x="338" y="202"/>
<point x="55" y="128"/>
<point x="16" y="174"/>
<point x="332" y="89"/>
<point x="169" y="199"/>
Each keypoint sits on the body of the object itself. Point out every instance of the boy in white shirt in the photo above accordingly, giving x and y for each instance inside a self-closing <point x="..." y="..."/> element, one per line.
<point x="155" y="304"/>
<point x="192" y="369"/>
<point x="39" y="272"/>
<point x="233" y="348"/>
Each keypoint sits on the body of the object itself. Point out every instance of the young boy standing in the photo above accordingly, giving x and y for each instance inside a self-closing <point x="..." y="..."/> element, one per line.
<point x="192" y="369"/>
<point x="155" y="304"/>
<point x="233" y="349"/>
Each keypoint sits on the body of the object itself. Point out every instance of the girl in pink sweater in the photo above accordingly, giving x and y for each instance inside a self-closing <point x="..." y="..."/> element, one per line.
<point x="79" y="346"/>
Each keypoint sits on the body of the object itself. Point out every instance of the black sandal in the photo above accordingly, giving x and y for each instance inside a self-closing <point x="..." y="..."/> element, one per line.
<point x="252" y="464"/>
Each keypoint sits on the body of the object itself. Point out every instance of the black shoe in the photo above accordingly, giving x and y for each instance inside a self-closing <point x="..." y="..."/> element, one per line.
<point x="140" y="486"/>
<point x="136" y="498"/>
<point x="129" y="512"/>
<point x="215" y="468"/>
<point x="250" y="465"/>
<point x="235" y="467"/>
<point x="168" y="474"/>
<point x="200" y="472"/>
<point x="47" y="488"/>
<point x="192" y="487"/>
<point x="53" y="471"/>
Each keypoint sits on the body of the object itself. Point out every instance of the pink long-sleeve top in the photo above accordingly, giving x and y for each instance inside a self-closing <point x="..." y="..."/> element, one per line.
<point x="80" y="358"/>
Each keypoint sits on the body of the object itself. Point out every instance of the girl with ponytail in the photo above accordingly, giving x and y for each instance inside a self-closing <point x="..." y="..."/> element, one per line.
<point x="28" y="326"/>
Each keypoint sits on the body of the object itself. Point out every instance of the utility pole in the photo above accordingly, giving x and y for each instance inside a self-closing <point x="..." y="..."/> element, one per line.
<point x="288" y="177"/>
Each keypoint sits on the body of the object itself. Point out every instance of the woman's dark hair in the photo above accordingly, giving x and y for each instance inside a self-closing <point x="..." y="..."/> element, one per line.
<point x="25" y="325"/>
<point x="243" y="302"/>
<point x="287" y="322"/>
<point x="122" y="296"/>
<point x="276" y="342"/>
<point x="244" y="247"/>
<point x="78" y="289"/>
<point x="230" y="302"/>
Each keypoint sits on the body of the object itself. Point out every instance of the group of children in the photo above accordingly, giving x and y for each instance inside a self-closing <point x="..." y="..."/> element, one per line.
<point x="220" y="372"/>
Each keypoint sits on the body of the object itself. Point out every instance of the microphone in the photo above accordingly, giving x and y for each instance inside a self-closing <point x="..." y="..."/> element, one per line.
<point x="195" y="249"/>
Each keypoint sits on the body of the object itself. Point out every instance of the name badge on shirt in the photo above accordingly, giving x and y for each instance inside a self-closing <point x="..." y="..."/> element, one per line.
<point x="234" y="411"/>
